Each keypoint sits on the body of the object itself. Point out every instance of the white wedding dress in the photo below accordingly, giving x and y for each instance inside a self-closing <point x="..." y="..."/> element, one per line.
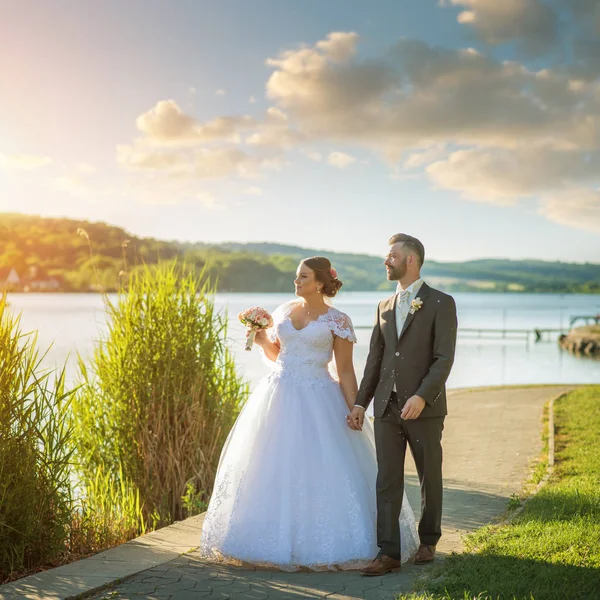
<point x="295" y="486"/>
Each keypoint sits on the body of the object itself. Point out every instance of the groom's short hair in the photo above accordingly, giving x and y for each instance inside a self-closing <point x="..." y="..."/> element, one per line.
<point x="411" y="243"/>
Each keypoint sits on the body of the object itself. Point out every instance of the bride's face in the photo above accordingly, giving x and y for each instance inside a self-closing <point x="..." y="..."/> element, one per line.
<point x="305" y="282"/>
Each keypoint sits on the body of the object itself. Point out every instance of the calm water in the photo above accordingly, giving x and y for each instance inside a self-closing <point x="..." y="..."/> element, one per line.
<point x="73" y="322"/>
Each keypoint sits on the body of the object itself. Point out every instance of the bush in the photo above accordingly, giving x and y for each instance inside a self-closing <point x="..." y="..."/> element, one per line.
<point x="159" y="398"/>
<point x="35" y="451"/>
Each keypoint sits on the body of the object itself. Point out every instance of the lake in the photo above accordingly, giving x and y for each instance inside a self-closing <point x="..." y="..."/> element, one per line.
<point x="73" y="322"/>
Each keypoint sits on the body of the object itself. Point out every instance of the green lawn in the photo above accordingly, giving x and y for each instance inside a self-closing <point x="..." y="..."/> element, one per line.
<point x="552" y="549"/>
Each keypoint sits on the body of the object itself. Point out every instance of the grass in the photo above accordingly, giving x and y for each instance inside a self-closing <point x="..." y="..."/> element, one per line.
<point x="550" y="551"/>
<point x="540" y="467"/>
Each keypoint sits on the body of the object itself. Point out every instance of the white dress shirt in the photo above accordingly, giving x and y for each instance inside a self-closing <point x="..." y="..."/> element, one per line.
<point x="403" y="300"/>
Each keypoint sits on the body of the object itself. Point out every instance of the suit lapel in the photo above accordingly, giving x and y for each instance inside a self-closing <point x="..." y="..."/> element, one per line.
<point x="423" y="293"/>
<point x="390" y="318"/>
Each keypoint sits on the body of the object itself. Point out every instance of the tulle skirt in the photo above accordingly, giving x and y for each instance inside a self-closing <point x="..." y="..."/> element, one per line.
<point x="295" y="485"/>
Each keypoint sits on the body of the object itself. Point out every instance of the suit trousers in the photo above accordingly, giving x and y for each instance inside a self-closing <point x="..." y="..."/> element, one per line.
<point x="423" y="436"/>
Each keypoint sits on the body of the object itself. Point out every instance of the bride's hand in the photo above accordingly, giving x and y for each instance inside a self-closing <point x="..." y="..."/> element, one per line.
<point x="260" y="336"/>
<point x="356" y="418"/>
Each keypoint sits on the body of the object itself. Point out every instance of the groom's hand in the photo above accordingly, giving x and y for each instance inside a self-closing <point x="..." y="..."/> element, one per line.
<point x="356" y="418"/>
<point x="413" y="408"/>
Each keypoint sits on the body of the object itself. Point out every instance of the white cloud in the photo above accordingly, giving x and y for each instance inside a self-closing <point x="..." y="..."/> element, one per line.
<point x="275" y="115"/>
<point x="515" y="132"/>
<point x="177" y="144"/>
<point x="274" y="136"/>
<point x="274" y="131"/>
<point x="419" y="95"/>
<point x="504" y="176"/>
<point x="24" y="162"/>
<point x="323" y="89"/>
<point x="339" y="45"/>
<point x="566" y="31"/>
<point x="140" y="157"/>
<point x="532" y="23"/>
<point x="167" y="124"/>
<point x="425" y="157"/>
<point x="196" y="163"/>
<point x="252" y="100"/>
<point x="209" y="163"/>
<point x="340" y="160"/>
<point x="527" y="132"/>
<point x="220" y="92"/>
<point x="579" y="208"/>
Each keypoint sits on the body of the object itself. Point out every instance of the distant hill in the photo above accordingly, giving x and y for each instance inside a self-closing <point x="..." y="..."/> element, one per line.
<point x="482" y="274"/>
<point x="52" y="253"/>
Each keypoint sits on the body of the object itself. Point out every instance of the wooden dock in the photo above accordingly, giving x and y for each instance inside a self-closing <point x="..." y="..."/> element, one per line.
<point x="527" y="335"/>
<point x="587" y="319"/>
<point x="537" y="335"/>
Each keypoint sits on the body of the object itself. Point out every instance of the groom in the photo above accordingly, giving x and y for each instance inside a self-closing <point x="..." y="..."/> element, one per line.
<point x="410" y="357"/>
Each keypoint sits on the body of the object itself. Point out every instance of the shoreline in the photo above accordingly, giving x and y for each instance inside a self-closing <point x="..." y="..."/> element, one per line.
<point x="483" y="291"/>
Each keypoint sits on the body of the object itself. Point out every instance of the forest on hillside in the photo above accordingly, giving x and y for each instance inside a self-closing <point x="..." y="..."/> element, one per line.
<point x="80" y="256"/>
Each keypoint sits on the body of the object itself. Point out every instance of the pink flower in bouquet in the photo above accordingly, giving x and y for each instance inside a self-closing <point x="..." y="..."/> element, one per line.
<point x="255" y="318"/>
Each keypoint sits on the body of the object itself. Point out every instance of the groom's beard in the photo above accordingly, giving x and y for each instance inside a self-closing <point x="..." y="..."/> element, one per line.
<point x="397" y="273"/>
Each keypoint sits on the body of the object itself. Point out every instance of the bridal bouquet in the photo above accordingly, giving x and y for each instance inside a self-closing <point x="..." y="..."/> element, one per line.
<point x="255" y="318"/>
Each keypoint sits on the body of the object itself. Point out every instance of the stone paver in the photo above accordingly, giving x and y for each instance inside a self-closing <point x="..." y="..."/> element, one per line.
<point x="145" y="552"/>
<point x="490" y="438"/>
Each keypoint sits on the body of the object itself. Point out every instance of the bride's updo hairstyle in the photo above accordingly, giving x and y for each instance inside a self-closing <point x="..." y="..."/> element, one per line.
<point x="325" y="274"/>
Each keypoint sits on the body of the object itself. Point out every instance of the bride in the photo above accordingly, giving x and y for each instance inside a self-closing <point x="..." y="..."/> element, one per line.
<point x="295" y="486"/>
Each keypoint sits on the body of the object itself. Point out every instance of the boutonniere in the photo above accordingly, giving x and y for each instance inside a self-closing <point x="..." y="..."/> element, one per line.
<point x="415" y="305"/>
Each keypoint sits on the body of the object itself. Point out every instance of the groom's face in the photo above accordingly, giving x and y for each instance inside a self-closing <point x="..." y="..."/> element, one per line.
<point x="396" y="262"/>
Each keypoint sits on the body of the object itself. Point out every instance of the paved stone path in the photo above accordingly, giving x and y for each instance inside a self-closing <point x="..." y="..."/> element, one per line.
<point x="490" y="439"/>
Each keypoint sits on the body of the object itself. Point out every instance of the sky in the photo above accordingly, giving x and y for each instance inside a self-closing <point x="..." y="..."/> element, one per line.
<point x="473" y="125"/>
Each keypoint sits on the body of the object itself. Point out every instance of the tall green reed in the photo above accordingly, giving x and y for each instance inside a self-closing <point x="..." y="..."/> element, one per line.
<point x="35" y="453"/>
<point x="159" y="397"/>
<point x="108" y="513"/>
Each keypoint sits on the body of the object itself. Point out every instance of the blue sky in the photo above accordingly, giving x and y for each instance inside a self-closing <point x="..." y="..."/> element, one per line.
<point x="329" y="124"/>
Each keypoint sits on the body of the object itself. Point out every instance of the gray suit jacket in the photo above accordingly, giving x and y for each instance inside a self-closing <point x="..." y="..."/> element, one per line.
<point x="419" y="361"/>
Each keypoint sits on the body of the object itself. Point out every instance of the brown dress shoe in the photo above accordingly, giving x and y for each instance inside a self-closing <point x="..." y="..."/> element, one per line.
<point x="425" y="554"/>
<point x="381" y="565"/>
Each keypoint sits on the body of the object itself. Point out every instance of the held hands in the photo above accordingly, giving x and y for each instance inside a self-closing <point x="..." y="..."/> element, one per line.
<point x="356" y="418"/>
<point x="413" y="408"/>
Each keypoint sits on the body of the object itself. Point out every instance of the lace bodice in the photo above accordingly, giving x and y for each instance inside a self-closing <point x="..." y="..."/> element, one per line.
<point x="307" y="352"/>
